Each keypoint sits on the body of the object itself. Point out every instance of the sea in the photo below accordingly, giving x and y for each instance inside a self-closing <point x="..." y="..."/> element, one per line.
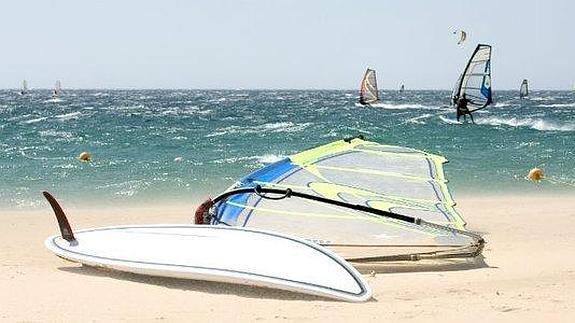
<point x="178" y="146"/>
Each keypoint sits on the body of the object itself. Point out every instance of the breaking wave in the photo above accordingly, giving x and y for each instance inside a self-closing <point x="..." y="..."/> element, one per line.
<point x="274" y="127"/>
<point x="418" y="120"/>
<point x="404" y="106"/>
<point x="557" y="105"/>
<point x="534" y="123"/>
<point x="448" y="120"/>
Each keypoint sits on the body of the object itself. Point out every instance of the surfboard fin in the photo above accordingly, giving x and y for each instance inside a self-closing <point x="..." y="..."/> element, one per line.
<point x="63" y="223"/>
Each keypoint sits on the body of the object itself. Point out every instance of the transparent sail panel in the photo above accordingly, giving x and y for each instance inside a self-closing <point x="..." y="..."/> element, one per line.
<point x="476" y="79"/>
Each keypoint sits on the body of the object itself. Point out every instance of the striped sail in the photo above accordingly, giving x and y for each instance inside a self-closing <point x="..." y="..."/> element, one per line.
<point x="368" y="90"/>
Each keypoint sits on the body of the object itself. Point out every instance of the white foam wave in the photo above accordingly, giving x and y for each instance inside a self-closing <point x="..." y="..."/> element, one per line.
<point x="546" y="98"/>
<point x="391" y="106"/>
<point x="502" y="104"/>
<point x="557" y="105"/>
<point x="261" y="159"/>
<point x="128" y="188"/>
<point x="68" y="116"/>
<point x="20" y="117"/>
<point x="35" y="120"/>
<point x="268" y="127"/>
<point x="534" y="123"/>
<point x="269" y="158"/>
<point x="417" y="120"/>
<point x="54" y="133"/>
<point x="448" y="120"/>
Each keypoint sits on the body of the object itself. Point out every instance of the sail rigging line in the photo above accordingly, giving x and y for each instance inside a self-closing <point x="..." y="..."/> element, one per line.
<point x="288" y="193"/>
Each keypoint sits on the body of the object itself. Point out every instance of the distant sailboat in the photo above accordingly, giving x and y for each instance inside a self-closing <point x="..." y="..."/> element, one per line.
<point x="24" y="89"/>
<point x="524" y="89"/>
<point x="475" y="81"/>
<point x="57" y="89"/>
<point x="368" y="93"/>
<point x="402" y="88"/>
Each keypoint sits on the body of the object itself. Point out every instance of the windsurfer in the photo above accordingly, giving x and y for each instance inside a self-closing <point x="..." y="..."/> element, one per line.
<point x="462" y="109"/>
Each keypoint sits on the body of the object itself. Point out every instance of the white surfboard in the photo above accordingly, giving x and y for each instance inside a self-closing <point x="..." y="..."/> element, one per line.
<point x="213" y="253"/>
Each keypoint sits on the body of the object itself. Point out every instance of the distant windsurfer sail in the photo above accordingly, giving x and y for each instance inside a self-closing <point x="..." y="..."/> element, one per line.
<point x="402" y="88"/>
<point x="368" y="92"/>
<point x="24" y="89"/>
<point x="57" y="89"/>
<point x="524" y="89"/>
<point x="473" y="88"/>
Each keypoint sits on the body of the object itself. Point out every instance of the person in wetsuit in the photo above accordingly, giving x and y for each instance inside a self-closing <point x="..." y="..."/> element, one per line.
<point x="462" y="109"/>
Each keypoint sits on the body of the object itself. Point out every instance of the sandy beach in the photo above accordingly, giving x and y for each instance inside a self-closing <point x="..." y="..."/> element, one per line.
<point x="529" y="275"/>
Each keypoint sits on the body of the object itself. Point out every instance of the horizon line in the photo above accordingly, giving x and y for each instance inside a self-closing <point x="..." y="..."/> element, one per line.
<point x="246" y="89"/>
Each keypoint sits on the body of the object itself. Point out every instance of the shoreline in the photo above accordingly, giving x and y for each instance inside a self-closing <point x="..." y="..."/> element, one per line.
<point x="529" y="274"/>
<point x="87" y="203"/>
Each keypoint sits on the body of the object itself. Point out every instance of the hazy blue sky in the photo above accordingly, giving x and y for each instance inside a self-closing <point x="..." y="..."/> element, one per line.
<point x="281" y="44"/>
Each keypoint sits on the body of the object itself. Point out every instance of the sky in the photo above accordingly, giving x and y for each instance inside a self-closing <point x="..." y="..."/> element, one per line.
<point x="281" y="44"/>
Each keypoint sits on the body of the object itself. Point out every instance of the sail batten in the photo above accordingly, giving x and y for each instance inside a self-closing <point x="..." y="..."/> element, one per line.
<point x="475" y="81"/>
<point x="368" y="92"/>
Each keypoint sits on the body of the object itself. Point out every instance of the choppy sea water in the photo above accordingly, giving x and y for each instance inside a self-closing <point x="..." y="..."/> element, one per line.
<point x="136" y="138"/>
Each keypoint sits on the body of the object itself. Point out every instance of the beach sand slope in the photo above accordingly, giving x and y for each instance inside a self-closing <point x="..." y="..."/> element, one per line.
<point x="529" y="275"/>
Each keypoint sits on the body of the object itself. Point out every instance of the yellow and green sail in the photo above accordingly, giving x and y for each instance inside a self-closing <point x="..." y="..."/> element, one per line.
<point x="390" y="178"/>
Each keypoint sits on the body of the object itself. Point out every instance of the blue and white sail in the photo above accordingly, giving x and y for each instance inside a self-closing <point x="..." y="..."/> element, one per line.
<point x="476" y="79"/>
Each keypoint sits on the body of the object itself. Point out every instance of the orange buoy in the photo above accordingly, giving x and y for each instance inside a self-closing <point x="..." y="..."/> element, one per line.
<point x="536" y="174"/>
<point x="85" y="156"/>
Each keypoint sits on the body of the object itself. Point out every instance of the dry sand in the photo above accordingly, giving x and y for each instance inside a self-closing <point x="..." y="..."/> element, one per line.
<point x="529" y="275"/>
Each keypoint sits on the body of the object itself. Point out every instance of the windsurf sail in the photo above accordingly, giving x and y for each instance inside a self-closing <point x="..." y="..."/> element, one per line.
<point x="24" y="89"/>
<point x="524" y="89"/>
<point x="366" y="201"/>
<point x="57" y="89"/>
<point x="475" y="81"/>
<point x="402" y="88"/>
<point x="368" y="89"/>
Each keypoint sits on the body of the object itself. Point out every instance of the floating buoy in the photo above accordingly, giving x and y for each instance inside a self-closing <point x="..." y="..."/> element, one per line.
<point x="536" y="174"/>
<point x="85" y="156"/>
<point x="179" y="159"/>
